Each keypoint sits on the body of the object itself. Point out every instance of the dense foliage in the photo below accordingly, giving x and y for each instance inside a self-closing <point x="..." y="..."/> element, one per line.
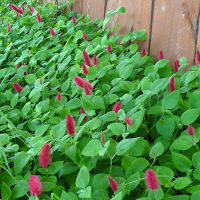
<point x="78" y="132"/>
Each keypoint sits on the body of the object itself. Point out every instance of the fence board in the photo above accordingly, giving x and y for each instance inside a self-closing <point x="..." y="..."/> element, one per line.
<point x="198" y="38"/>
<point x="78" y="6"/>
<point x="173" y="28"/>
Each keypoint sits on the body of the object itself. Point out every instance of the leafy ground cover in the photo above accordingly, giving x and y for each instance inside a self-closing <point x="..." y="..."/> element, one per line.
<point x="85" y="117"/>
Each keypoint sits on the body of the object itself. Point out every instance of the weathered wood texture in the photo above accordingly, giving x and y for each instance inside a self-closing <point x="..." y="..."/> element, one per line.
<point x="172" y="25"/>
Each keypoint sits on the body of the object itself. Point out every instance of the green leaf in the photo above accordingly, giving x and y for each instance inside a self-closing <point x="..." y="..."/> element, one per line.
<point x="189" y="116"/>
<point x="181" y="162"/>
<point x="30" y="78"/>
<point x="41" y="129"/>
<point x="5" y="191"/>
<point x="108" y="117"/>
<point x="87" y="105"/>
<point x="195" y="196"/>
<point x="179" y="197"/>
<point x="74" y="104"/>
<point x="125" y="69"/>
<point x="55" y="167"/>
<point x="68" y="196"/>
<point x="14" y="100"/>
<point x="100" y="181"/>
<point x="4" y="139"/>
<point x="171" y="100"/>
<point x="47" y="186"/>
<point x="98" y="103"/>
<point x="181" y="182"/>
<point x="20" y="161"/>
<point x="92" y="148"/>
<point x="160" y="64"/>
<point x="156" y="150"/>
<point x="117" y="128"/>
<point x="83" y="177"/>
<point x="125" y="145"/>
<point x="26" y="108"/>
<point x="85" y="193"/>
<point x="182" y="143"/>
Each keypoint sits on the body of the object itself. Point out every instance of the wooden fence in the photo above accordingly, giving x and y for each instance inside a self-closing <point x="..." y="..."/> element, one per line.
<point x="172" y="25"/>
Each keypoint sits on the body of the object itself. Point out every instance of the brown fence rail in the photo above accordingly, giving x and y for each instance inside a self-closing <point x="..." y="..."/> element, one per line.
<point x="172" y="25"/>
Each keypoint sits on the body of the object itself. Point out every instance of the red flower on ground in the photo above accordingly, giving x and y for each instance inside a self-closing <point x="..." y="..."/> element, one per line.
<point x="109" y="48"/>
<point x="128" y="121"/>
<point x="84" y="69"/>
<point x="39" y="19"/>
<point x="44" y="157"/>
<point x="31" y="9"/>
<point x="143" y="52"/>
<point x="59" y="96"/>
<point x="117" y="106"/>
<point x="8" y="27"/>
<point x="151" y="179"/>
<point x="10" y="6"/>
<point x="17" y="87"/>
<point x="161" y="55"/>
<point x="85" y="37"/>
<point x="74" y="19"/>
<point x="78" y="81"/>
<point x="18" y="10"/>
<point x="113" y="184"/>
<point x="34" y="185"/>
<point x="172" y="84"/>
<point x="198" y="56"/>
<point x="95" y="60"/>
<point x="52" y="32"/>
<point x="70" y="125"/>
<point x="176" y="66"/>
<point x="83" y="112"/>
<point x="190" y="130"/>
<point x="86" y="58"/>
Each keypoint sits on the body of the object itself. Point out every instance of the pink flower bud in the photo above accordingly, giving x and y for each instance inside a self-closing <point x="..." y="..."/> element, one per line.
<point x="84" y="69"/>
<point x="176" y="66"/>
<point x="17" y="87"/>
<point x="31" y="9"/>
<point x="109" y="48"/>
<point x="117" y="106"/>
<point x="83" y="112"/>
<point x="44" y="157"/>
<point x="198" y="56"/>
<point x="74" y="19"/>
<point x="143" y="52"/>
<point x="10" y="6"/>
<point x="86" y="58"/>
<point x="85" y="37"/>
<point x="18" y="10"/>
<point x="172" y="84"/>
<point x="34" y="185"/>
<point x="113" y="184"/>
<point x="9" y="27"/>
<point x="151" y="179"/>
<point x="161" y="55"/>
<point x="70" y="125"/>
<point x="102" y="138"/>
<point x="59" y="96"/>
<point x="52" y="32"/>
<point x="128" y="121"/>
<point x="95" y="60"/>
<point x="78" y="81"/>
<point x="86" y="89"/>
<point x="39" y="19"/>
<point x="190" y="130"/>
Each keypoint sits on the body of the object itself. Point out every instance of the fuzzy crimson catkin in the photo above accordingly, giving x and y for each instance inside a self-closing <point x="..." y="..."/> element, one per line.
<point x="59" y="96"/>
<point x="86" y="89"/>
<point x="128" y="121"/>
<point x="176" y="66"/>
<point x="89" y="85"/>
<point x="117" y="107"/>
<point x="10" y="6"/>
<point x="52" y="31"/>
<point x="70" y="125"/>
<point x="8" y="27"/>
<point x="198" y="56"/>
<point x="34" y="185"/>
<point x="85" y="37"/>
<point x="39" y="19"/>
<point x="151" y="179"/>
<point x="74" y="19"/>
<point x="17" y="87"/>
<point x="161" y="55"/>
<point x="86" y="58"/>
<point x="45" y="156"/>
<point x="78" y="81"/>
<point x="83" y="112"/>
<point x="109" y="48"/>
<point x="172" y="84"/>
<point x="17" y="9"/>
<point x="84" y="69"/>
<point x="95" y="60"/>
<point x="190" y="130"/>
<point x="143" y="52"/>
<point x="31" y="9"/>
<point x="113" y="184"/>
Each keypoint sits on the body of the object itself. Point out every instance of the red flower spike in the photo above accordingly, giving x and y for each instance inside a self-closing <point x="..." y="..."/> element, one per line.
<point x="89" y="85"/>
<point x="44" y="157"/>
<point x="70" y="126"/>
<point x="31" y="9"/>
<point x="18" y="10"/>
<point x="39" y="19"/>
<point x="109" y="48"/>
<point x="143" y="53"/>
<point x="161" y="55"/>
<point x="78" y="81"/>
<point x="172" y="84"/>
<point x="9" y="27"/>
<point x="34" y="185"/>
<point x="151" y="179"/>
<point x="190" y="130"/>
<point x="198" y="56"/>
<point x="74" y="19"/>
<point x="84" y="69"/>
<point x="59" y="96"/>
<point x="113" y="184"/>
<point x="2" y="21"/>
<point x="85" y="37"/>
<point x="17" y="87"/>
<point x="52" y="32"/>
<point x="95" y="60"/>
<point x="117" y="106"/>
<point x="176" y="66"/>
<point x="86" y="88"/>
<point x="10" y="6"/>
<point x="86" y="58"/>
<point x="102" y="138"/>
<point x="83" y="112"/>
<point x="40" y="80"/>
<point x="17" y="15"/>
<point x="128" y="121"/>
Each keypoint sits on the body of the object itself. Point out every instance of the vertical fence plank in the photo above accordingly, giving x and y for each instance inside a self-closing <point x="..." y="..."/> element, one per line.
<point x="198" y="39"/>
<point x="173" y="29"/>
<point x="94" y="8"/>
<point x="78" y="6"/>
